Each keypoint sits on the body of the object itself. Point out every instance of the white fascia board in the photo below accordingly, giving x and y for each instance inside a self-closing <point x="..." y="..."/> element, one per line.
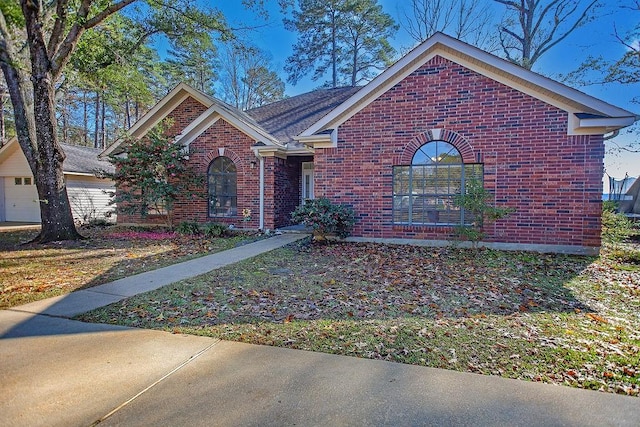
<point x="484" y="63"/>
<point x="322" y="140"/>
<point x="5" y="148"/>
<point x="300" y="151"/>
<point x="607" y="122"/>
<point x="80" y="174"/>
<point x="270" y="151"/>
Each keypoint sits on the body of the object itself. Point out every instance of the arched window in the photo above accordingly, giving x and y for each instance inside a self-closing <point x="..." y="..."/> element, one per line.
<point x="424" y="191"/>
<point x="223" y="190"/>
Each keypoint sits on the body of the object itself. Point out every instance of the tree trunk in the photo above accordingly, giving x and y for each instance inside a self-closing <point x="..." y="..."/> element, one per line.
<point x="64" y="115"/>
<point x="85" y="119"/>
<point x="334" y="51"/>
<point x="96" y="130"/>
<point x="127" y="114"/>
<point x="103" y="128"/>
<point x="55" y="209"/>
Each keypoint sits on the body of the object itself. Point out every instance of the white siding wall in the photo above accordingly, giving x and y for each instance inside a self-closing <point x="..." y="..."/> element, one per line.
<point x="89" y="197"/>
<point x="15" y="164"/>
<point x="2" y="209"/>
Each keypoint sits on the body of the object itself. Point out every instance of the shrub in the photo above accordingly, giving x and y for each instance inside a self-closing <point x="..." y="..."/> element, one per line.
<point x="610" y="206"/>
<point x="477" y="201"/>
<point x="188" y="227"/>
<point x="325" y="217"/>
<point x="615" y="227"/>
<point x="214" y="229"/>
<point x="627" y="255"/>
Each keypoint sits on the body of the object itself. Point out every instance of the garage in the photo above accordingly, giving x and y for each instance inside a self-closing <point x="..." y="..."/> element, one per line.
<point x="20" y="199"/>
<point x="88" y="194"/>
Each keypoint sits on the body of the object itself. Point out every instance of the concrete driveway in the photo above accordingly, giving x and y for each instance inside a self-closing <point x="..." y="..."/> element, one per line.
<point x="15" y="226"/>
<point x="59" y="372"/>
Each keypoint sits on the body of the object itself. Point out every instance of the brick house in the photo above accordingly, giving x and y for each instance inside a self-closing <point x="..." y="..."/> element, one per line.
<point x="399" y="148"/>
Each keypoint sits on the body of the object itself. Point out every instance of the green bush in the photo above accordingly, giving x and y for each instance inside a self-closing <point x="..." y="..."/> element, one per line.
<point x="628" y="256"/>
<point x="615" y="227"/>
<point x="478" y="202"/>
<point x="188" y="227"/>
<point x="325" y="217"/>
<point x="214" y="229"/>
<point x="610" y="206"/>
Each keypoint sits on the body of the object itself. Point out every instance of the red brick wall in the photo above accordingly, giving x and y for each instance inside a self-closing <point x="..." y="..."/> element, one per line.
<point x="220" y="139"/>
<point x="223" y="139"/>
<point x="552" y="180"/>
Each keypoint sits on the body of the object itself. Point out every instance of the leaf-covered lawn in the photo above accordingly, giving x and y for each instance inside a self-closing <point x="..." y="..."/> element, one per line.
<point x="34" y="272"/>
<point x="552" y="318"/>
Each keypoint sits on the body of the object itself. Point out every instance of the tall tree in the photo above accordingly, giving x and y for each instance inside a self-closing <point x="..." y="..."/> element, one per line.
<point x="365" y="40"/>
<point x="349" y="37"/>
<point x="193" y="60"/>
<point x="247" y="80"/>
<point x="531" y="28"/>
<point x="467" y="20"/>
<point x="317" y="23"/>
<point x="49" y="32"/>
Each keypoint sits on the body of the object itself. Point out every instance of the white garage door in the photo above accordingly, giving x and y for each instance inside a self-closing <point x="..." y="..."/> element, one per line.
<point x="20" y="197"/>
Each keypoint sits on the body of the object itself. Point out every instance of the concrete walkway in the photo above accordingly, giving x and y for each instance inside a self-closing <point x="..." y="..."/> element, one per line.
<point x="59" y="372"/>
<point x="98" y="296"/>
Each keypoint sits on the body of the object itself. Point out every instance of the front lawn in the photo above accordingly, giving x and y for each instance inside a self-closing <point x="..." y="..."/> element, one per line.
<point x="559" y="319"/>
<point x="34" y="272"/>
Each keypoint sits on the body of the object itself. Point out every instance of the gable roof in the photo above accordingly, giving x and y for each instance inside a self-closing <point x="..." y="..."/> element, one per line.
<point x="84" y="160"/>
<point x="79" y="160"/>
<point x="603" y="117"/>
<point x="286" y="118"/>
<point x="160" y="111"/>
<point x="216" y="109"/>
<point x="219" y="109"/>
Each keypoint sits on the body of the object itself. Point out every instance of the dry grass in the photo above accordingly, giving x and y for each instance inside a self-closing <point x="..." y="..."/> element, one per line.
<point x="33" y="272"/>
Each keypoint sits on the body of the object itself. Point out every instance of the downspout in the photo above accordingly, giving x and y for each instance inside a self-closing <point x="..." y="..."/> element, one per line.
<point x="261" y="226"/>
<point x="256" y="152"/>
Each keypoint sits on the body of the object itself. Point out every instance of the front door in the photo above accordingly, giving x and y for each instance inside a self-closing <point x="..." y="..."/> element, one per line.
<point x="307" y="181"/>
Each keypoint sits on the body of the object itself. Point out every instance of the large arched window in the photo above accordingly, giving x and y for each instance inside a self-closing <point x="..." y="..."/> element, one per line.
<point x="223" y="191"/>
<point x="424" y="191"/>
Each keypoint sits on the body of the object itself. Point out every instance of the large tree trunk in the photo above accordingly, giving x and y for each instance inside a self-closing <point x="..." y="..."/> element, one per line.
<point x="55" y="209"/>
<point x="37" y="133"/>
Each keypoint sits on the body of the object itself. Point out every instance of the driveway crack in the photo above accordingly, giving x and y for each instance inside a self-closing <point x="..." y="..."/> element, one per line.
<point x="155" y="383"/>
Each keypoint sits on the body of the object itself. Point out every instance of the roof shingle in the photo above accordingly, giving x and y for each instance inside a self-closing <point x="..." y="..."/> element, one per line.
<point x="84" y="160"/>
<point x="287" y="118"/>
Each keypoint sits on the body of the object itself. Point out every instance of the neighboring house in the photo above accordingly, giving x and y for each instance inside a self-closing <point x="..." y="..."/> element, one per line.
<point x="87" y="193"/>
<point x="400" y="148"/>
<point x="630" y="204"/>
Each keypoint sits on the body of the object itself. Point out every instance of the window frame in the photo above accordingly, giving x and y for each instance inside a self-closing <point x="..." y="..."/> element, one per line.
<point x="225" y="177"/>
<point x="424" y="191"/>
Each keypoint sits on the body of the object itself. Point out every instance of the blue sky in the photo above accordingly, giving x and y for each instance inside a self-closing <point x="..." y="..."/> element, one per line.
<point x="596" y="38"/>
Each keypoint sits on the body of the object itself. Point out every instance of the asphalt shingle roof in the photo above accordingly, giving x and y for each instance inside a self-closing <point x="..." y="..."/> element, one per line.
<point x="289" y="117"/>
<point x="84" y="160"/>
